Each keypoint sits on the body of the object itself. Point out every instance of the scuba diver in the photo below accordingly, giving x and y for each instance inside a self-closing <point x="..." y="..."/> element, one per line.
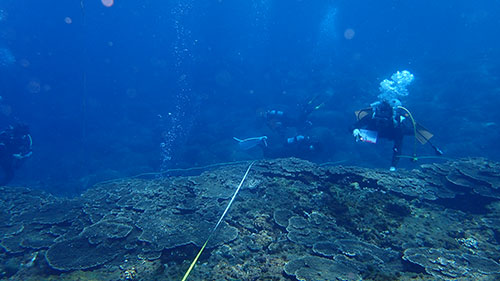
<point x="390" y="120"/>
<point x="15" y="147"/>
<point x="279" y="120"/>
<point x="287" y="137"/>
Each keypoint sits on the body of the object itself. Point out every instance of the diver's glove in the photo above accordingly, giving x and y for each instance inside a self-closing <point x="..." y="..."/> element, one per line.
<point x="356" y="133"/>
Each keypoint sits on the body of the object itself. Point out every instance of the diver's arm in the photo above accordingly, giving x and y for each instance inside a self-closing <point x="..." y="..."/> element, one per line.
<point x="26" y="149"/>
<point x="361" y="123"/>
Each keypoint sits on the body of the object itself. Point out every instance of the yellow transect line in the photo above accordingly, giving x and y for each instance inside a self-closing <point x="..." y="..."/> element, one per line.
<point x="218" y="223"/>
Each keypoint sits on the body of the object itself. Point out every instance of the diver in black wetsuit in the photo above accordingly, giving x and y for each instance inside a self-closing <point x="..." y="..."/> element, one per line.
<point x="384" y="119"/>
<point x="288" y="133"/>
<point x="300" y="144"/>
<point x="15" y="147"/>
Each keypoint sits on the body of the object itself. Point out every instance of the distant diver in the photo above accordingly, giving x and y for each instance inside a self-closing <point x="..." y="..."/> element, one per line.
<point x="279" y="120"/>
<point x="15" y="148"/>
<point x="288" y="132"/>
<point x="390" y="120"/>
<point x="292" y="130"/>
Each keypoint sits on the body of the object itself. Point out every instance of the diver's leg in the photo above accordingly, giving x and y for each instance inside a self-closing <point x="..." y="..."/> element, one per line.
<point x="396" y="151"/>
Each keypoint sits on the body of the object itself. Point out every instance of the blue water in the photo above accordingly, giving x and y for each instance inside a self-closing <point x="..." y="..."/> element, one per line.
<point x="102" y="88"/>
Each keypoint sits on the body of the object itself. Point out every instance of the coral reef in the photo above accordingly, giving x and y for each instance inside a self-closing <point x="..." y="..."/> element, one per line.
<point x="78" y="253"/>
<point x="316" y="268"/>
<point x="444" y="264"/>
<point x="292" y="220"/>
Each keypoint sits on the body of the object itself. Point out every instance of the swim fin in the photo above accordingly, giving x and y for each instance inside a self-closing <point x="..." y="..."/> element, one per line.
<point x="246" y="144"/>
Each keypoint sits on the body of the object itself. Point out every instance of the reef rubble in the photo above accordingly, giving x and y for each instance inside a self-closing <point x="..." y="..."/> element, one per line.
<point x="292" y="220"/>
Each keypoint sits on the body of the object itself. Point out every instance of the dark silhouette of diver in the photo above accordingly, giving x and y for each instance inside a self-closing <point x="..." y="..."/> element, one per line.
<point x="390" y="120"/>
<point x="287" y="137"/>
<point x="15" y="147"/>
<point x="300" y="144"/>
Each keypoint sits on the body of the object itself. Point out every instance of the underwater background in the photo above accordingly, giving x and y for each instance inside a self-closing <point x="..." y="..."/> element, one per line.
<point x="144" y="116"/>
<point x="103" y="84"/>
